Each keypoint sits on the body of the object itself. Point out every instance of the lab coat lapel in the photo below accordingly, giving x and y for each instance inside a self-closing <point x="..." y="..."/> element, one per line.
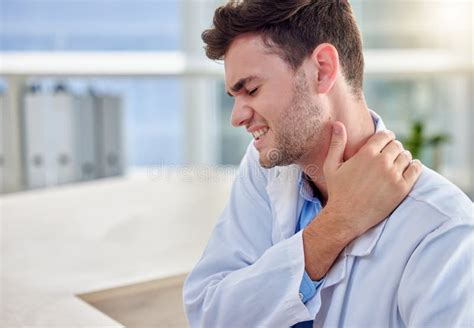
<point x="282" y="189"/>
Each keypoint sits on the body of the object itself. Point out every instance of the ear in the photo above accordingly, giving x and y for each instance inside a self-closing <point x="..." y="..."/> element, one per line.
<point x="326" y="60"/>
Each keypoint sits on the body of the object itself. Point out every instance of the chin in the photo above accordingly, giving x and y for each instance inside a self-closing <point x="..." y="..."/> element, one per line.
<point x="263" y="159"/>
<point x="272" y="158"/>
<point x="266" y="164"/>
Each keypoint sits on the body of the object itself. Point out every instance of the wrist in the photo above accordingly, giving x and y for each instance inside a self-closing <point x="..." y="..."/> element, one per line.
<point x="323" y="240"/>
<point x="337" y="224"/>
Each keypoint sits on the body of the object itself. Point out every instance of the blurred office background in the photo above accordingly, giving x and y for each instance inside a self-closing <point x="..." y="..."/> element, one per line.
<point x="151" y="106"/>
<point x="419" y="68"/>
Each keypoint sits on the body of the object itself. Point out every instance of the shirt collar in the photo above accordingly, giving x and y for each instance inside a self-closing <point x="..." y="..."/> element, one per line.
<point x="379" y="125"/>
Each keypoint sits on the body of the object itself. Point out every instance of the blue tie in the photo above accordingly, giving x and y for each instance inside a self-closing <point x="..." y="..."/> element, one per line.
<point x="308" y="212"/>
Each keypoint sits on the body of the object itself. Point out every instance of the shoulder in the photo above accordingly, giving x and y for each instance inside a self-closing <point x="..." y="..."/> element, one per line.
<point x="436" y="194"/>
<point x="434" y="204"/>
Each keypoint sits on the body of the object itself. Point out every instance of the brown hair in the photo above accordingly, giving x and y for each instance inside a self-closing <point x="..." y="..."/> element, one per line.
<point x="292" y="28"/>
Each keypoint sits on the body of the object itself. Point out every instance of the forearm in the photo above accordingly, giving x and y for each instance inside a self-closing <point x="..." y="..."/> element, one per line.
<point x="265" y="293"/>
<point x="323" y="240"/>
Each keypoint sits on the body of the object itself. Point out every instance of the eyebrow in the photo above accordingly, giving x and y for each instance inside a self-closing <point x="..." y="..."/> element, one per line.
<point x="240" y="84"/>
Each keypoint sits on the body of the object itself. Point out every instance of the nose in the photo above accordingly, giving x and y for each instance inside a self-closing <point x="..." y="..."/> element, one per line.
<point x="241" y="113"/>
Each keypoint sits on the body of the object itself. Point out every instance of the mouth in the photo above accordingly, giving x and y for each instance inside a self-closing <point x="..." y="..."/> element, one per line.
<point x="257" y="135"/>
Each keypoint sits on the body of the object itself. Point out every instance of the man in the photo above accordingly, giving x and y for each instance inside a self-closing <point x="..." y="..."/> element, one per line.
<point x="314" y="233"/>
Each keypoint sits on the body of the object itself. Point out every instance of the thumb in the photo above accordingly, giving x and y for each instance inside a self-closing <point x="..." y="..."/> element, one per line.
<point x="334" y="158"/>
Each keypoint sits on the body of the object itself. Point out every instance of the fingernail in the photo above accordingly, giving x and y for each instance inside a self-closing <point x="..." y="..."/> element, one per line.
<point x="336" y="128"/>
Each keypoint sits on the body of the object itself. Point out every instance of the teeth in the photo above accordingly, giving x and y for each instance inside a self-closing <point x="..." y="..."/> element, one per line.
<point x="257" y="134"/>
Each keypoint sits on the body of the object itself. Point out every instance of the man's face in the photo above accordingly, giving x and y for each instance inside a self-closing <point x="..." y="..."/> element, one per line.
<point x="273" y="102"/>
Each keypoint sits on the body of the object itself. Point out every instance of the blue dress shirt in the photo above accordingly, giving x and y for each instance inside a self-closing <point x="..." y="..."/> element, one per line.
<point x="311" y="207"/>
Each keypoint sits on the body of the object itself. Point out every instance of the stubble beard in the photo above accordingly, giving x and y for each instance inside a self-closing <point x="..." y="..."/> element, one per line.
<point x="295" y="132"/>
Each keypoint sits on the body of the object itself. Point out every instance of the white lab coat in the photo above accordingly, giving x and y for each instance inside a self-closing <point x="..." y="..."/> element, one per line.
<point x="413" y="269"/>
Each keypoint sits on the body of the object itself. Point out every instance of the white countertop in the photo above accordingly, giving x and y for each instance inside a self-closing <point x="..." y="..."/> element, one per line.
<point x="63" y="241"/>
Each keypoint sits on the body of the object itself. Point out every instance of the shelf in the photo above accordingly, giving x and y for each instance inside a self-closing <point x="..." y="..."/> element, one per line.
<point x="386" y="62"/>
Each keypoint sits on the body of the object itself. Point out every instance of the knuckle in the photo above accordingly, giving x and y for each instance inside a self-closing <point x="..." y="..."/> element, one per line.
<point x="407" y="155"/>
<point x="398" y="145"/>
<point x="417" y="168"/>
<point x="402" y="147"/>
<point x="388" y="134"/>
<point x="394" y="146"/>
<point x="379" y="136"/>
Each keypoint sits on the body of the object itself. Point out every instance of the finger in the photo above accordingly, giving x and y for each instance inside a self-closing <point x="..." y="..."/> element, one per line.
<point x="412" y="173"/>
<point x="335" y="154"/>
<point x="378" y="141"/>
<point x="403" y="160"/>
<point x="392" y="150"/>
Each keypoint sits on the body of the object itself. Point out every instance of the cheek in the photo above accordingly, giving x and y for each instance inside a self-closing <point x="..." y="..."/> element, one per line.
<point x="263" y="112"/>
<point x="272" y="107"/>
<point x="277" y="111"/>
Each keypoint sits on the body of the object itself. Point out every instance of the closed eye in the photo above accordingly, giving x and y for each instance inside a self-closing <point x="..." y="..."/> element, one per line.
<point x="252" y="92"/>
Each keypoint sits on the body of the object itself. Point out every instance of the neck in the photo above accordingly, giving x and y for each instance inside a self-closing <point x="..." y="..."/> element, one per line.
<point x="359" y="126"/>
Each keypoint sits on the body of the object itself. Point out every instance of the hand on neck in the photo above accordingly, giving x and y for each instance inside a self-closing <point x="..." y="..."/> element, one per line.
<point x="355" y="115"/>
